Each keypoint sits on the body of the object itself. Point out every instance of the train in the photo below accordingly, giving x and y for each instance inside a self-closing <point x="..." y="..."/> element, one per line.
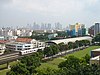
<point x="24" y="52"/>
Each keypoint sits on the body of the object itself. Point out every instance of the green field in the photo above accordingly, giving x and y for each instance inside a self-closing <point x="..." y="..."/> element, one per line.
<point x="54" y="63"/>
<point x="82" y="53"/>
<point x="3" y="72"/>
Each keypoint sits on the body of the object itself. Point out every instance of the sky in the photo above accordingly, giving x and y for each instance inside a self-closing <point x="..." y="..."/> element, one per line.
<point x="23" y="12"/>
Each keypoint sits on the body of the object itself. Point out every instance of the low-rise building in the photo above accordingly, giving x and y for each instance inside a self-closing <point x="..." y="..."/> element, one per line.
<point x="24" y="44"/>
<point x="27" y="40"/>
<point x="18" y="46"/>
<point x="95" y="52"/>
<point x="95" y="57"/>
<point x="2" y="46"/>
<point x="95" y="60"/>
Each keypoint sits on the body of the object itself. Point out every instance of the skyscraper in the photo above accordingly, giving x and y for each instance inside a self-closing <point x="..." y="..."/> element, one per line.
<point x="96" y="28"/>
<point x="58" y="26"/>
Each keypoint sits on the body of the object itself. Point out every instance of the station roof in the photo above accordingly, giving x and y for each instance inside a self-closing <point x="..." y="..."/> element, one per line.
<point x="65" y="41"/>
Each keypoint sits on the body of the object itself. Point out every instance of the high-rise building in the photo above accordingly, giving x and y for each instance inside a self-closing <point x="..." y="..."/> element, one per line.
<point x="58" y="26"/>
<point x="91" y="30"/>
<point x="36" y="26"/>
<point x="48" y="26"/>
<point x="77" y="29"/>
<point x="71" y="27"/>
<point x="96" y="28"/>
<point x="77" y="26"/>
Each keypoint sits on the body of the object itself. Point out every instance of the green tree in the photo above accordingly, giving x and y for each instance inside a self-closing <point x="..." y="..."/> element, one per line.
<point x="46" y="71"/>
<point x="19" y="69"/>
<point x="48" y="51"/>
<point x="70" y="62"/>
<point x="55" y="49"/>
<point x="97" y="38"/>
<point x="31" y="62"/>
<point x="70" y="45"/>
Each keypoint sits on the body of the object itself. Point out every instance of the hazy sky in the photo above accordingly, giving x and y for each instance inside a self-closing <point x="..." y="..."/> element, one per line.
<point x="22" y="12"/>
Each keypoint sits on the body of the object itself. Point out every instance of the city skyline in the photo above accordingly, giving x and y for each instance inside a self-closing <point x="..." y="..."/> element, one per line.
<point x="23" y="12"/>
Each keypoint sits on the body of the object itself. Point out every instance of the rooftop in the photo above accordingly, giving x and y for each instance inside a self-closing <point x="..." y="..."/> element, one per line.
<point x="65" y="41"/>
<point x="96" y="49"/>
<point x="15" y="43"/>
<point x="23" y="40"/>
<point x="96" y="58"/>
<point x="3" y="41"/>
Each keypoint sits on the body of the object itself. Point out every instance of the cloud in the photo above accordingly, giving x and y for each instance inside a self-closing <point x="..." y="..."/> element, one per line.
<point x="65" y="11"/>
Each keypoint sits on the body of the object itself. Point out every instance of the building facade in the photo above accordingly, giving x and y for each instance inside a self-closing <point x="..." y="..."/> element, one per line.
<point x="94" y="30"/>
<point x="18" y="46"/>
<point x="97" y="28"/>
<point x="76" y="30"/>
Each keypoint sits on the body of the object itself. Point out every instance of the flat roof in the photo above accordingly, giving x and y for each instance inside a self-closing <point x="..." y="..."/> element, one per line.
<point x="16" y="43"/>
<point x="65" y="41"/>
<point x="96" y="49"/>
<point x="96" y="58"/>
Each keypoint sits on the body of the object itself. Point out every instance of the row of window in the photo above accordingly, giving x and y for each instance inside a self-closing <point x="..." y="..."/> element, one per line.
<point x="29" y="51"/>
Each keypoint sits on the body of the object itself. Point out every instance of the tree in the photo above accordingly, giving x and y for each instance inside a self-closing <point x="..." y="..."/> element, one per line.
<point x="41" y="54"/>
<point x="31" y="62"/>
<point x="19" y="69"/>
<point x="46" y="71"/>
<point x="77" y="43"/>
<point x="80" y="43"/>
<point x="48" y="51"/>
<point x="60" y="45"/>
<point x="55" y="49"/>
<point x="86" y="58"/>
<point x="70" y="45"/>
<point x="70" y="62"/>
<point x="97" y="38"/>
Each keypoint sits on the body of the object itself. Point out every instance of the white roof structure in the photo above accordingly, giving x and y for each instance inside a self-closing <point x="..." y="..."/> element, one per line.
<point x="95" y="58"/>
<point x="96" y="49"/>
<point x="65" y="41"/>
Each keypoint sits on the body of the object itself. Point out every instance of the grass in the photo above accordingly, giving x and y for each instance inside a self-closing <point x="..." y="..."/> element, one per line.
<point x="54" y="63"/>
<point x="4" y="71"/>
<point x="51" y="64"/>
<point x="82" y="53"/>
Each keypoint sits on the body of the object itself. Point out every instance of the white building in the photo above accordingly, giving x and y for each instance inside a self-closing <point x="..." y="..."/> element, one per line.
<point x="24" y="44"/>
<point x="65" y="41"/>
<point x="16" y="46"/>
